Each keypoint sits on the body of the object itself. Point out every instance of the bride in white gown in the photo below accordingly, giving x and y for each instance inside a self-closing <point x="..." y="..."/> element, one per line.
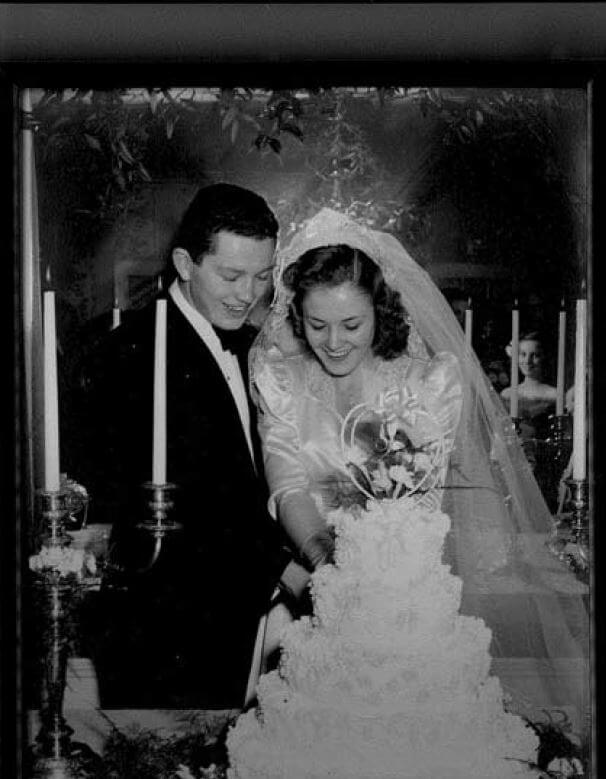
<point x="354" y="316"/>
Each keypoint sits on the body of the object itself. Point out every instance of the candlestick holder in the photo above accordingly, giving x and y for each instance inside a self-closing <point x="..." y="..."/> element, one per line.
<point x="580" y="512"/>
<point x="160" y="502"/>
<point x="58" y="572"/>
<point x="559" y="439"/>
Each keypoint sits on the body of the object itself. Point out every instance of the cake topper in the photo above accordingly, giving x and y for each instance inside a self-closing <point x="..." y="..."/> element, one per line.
<point x="394" y="447"/>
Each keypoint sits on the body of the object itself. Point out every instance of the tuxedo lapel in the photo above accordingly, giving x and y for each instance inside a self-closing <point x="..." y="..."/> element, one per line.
<point x="198" y="380"/>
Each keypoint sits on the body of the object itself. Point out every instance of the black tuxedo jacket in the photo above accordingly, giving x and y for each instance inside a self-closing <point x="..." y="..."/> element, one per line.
<point x="181" y="634"/>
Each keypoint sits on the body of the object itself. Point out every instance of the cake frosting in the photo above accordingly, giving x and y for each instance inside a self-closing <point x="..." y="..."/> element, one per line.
<point x="386" y="679"/>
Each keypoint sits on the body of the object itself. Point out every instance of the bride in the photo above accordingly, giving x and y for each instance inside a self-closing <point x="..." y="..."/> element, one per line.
<point x="354" y="316"/>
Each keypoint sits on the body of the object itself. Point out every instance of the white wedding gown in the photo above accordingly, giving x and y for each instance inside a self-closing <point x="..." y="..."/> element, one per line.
<point x="536" y="609"/>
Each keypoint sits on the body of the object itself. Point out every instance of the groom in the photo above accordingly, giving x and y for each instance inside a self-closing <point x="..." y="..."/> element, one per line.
<point x="181" y="635"/>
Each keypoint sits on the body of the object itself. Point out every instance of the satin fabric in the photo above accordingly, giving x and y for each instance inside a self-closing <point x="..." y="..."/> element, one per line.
<point x="300" y="426"/>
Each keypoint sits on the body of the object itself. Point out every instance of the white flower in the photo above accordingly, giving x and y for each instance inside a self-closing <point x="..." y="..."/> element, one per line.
<point x="401" y="476"/>
<point x="392" y="427"/>
<point x="63" y="560"/>
<point x="90" y="563"/>
<point x="380" y="477"/>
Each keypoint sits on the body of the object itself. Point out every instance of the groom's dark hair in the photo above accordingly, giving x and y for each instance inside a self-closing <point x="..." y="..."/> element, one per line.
<point x="219" y="207"/>
<point x="329" y="266"/>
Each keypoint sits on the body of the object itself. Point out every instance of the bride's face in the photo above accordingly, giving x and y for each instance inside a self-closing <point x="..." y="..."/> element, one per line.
<point x="339" y="326"/>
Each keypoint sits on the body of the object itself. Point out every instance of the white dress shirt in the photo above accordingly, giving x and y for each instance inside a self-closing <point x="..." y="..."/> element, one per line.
<point x="227" y="362"/>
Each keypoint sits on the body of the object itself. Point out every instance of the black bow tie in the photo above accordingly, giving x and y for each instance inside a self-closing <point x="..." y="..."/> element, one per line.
<point x="235" y="341"/>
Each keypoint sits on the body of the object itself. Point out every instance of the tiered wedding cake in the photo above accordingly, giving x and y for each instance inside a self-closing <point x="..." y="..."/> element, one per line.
<point x="387" y="679"/>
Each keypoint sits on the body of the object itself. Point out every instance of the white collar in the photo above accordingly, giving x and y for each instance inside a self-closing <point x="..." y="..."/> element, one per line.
<point x="199" y="322"/>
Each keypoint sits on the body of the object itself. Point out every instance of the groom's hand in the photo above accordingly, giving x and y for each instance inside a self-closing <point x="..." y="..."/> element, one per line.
<point x="294" y="580"/>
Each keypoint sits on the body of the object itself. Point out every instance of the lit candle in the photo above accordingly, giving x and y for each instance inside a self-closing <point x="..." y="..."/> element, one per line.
<point x="159" y="436"/>
<point x="115" y="315"/>
<point x="561" y="357"/>
<point x="515" y="345"/>
<point x="579" y="469"/>
<point x="51" y="399"/>
<point x="468" y="323"/>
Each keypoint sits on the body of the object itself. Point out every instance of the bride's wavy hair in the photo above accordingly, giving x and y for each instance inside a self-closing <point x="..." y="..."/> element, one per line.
<point x="329" y="266"/>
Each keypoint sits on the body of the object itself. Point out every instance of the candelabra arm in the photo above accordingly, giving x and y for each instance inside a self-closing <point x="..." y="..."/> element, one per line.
<point x="160" y="502"/>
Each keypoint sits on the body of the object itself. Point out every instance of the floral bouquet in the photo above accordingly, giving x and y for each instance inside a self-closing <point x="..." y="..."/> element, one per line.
<point x="393" y="449"/>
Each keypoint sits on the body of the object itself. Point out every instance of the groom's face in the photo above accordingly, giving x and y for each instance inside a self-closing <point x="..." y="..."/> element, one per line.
<point x="230" y="279"/>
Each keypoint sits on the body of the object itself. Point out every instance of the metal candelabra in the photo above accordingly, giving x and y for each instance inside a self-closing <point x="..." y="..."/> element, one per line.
<point x="55" y="756"/>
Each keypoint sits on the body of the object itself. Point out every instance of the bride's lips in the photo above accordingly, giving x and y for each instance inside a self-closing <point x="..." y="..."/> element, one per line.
<point x="338" y="355"/>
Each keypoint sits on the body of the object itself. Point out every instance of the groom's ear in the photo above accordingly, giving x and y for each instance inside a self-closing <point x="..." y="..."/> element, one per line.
<point x="182" y="262"/>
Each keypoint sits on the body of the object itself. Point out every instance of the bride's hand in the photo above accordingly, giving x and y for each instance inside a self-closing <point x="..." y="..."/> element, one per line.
<point x="318" y="549"/>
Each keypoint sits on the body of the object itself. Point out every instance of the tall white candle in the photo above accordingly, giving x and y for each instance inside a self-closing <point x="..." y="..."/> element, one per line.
<point x="51" y="398"/>
<point x="579" y="465"/>
<point x="515" y="346"/>
<point x="159" y="433"/>
<point x="561" y="363"/>
<point x="468" y="323"/>
<point x="115" y="315"/>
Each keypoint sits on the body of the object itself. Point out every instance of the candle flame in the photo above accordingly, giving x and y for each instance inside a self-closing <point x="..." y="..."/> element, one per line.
<point x="48" y="275"/>
<point x="159" y="283"/>
<point x="469" y="302"/>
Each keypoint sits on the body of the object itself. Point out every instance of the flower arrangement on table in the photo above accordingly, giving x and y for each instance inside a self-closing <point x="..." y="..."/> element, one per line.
<point x="393" y="449"/>
<point x="144" y="753"/>
<point x="561" y="754"/>
<point x="64" y="562"/>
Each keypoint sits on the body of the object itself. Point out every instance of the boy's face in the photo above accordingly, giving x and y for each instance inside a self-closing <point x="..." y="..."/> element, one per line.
<point x="229" y="280"/>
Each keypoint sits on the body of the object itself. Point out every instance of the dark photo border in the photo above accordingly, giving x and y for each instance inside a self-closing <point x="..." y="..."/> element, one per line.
<point x="366" y="44"/>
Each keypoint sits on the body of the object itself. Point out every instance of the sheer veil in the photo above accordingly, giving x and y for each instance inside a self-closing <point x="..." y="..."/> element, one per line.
<point x="535" y="607"/>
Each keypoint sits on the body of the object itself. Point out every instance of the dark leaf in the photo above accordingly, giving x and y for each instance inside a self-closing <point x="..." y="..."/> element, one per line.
<point x="261" y="141"/>
<point x="92" y="142"/>
<point x="293" y="129"/>
<point x="229" y="117"/>
<point x="144" y="173"/>
<point x="125" y="153"/>
<point x="170" y="126"/>
<point x="274" y="145"/>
